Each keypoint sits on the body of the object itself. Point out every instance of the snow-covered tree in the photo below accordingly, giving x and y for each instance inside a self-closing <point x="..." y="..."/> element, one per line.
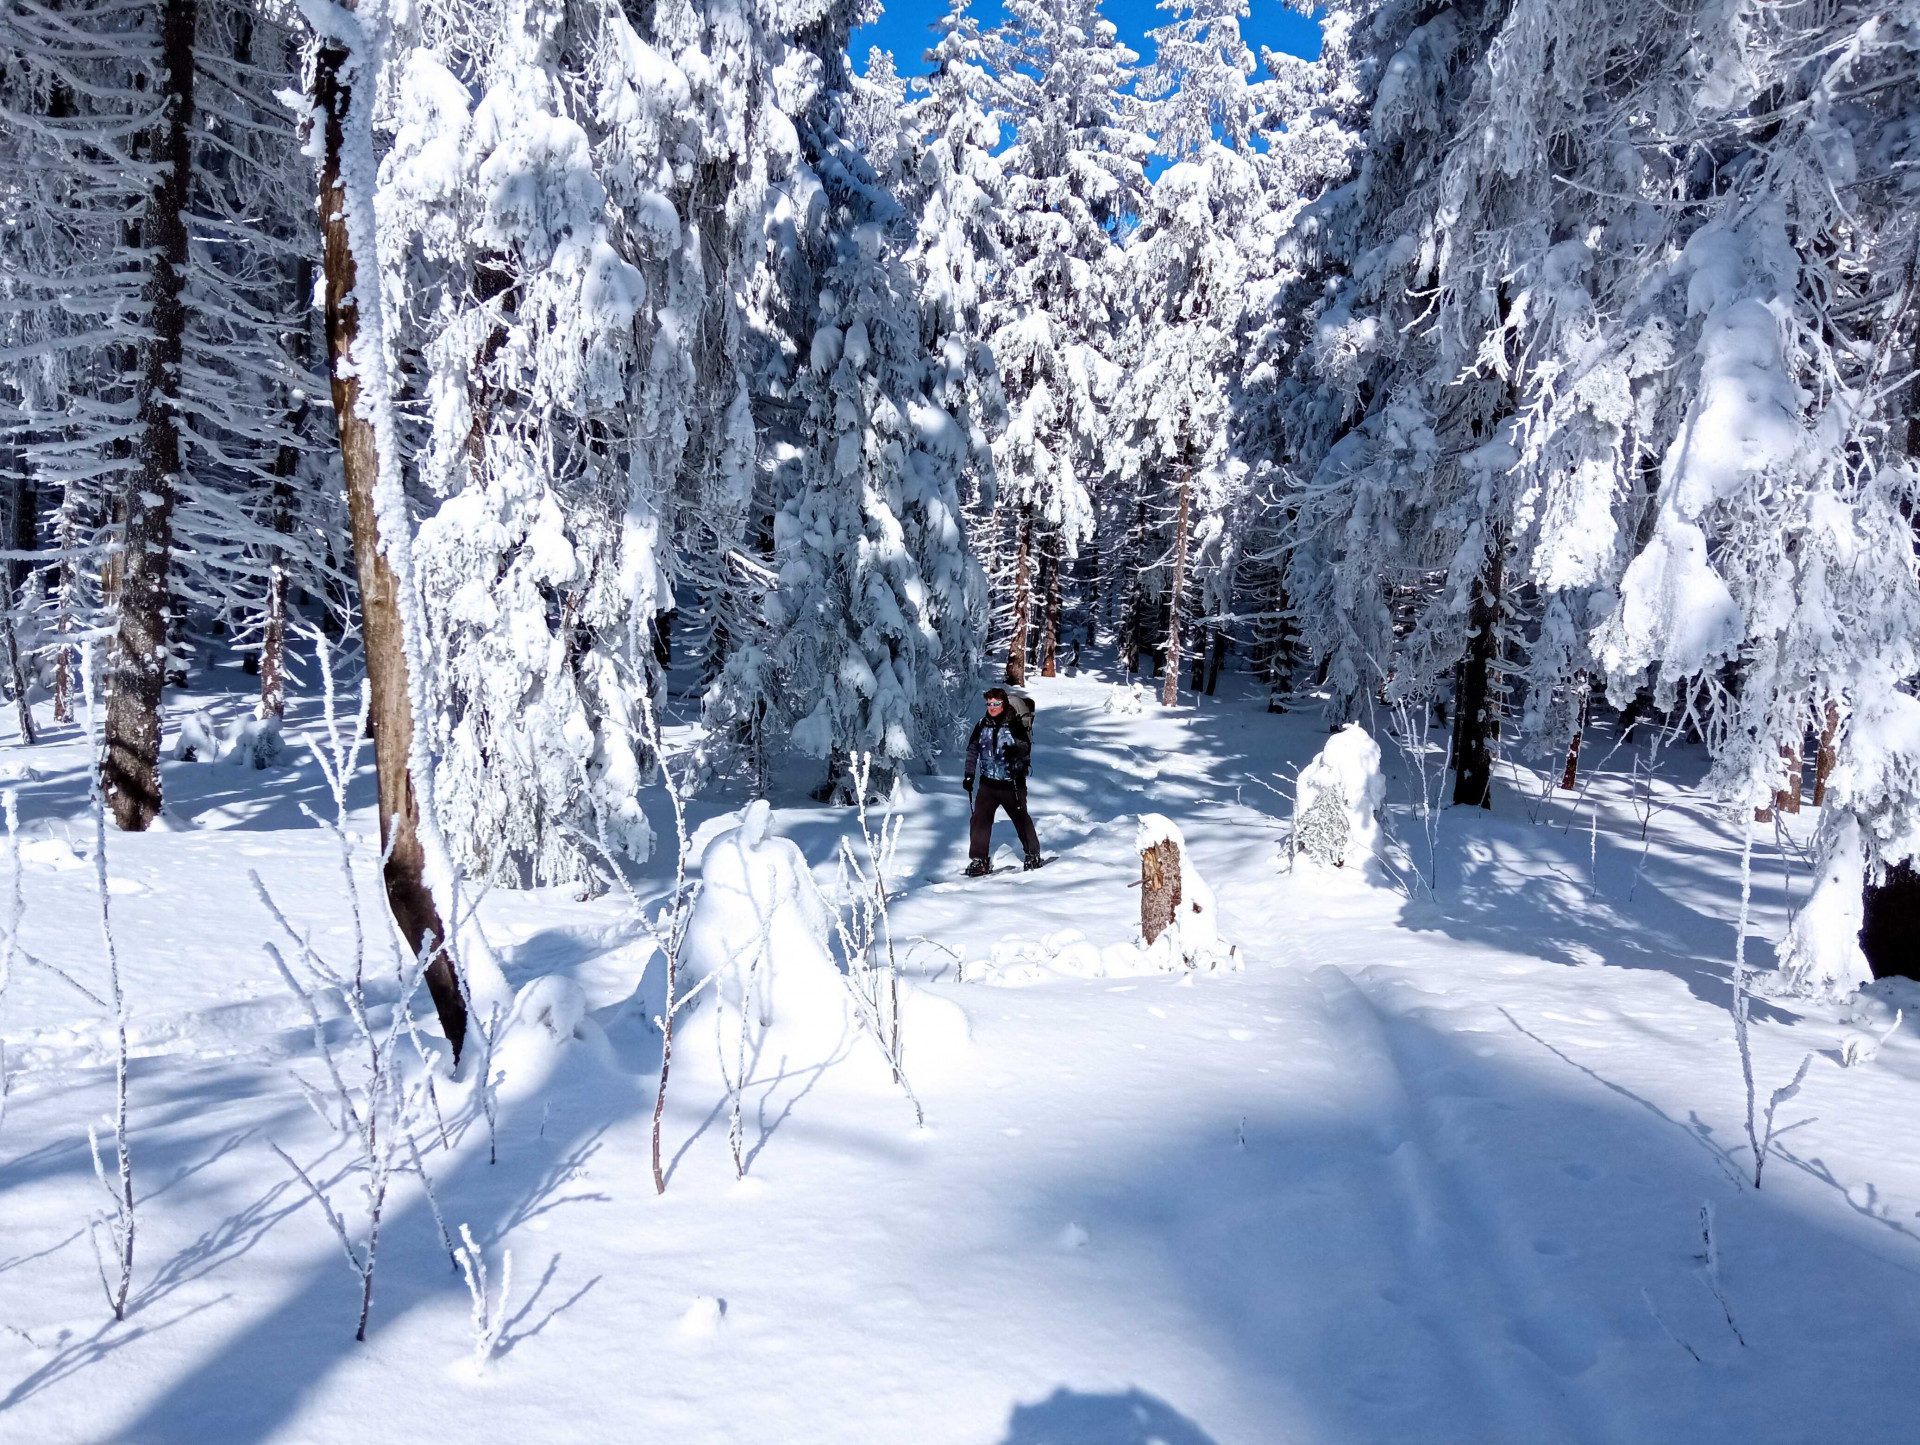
<point x="877" y="615"/>
<point x="1074" y="182"/>
<point x="1200" y="83"/>
<point x="1189" y="271"/>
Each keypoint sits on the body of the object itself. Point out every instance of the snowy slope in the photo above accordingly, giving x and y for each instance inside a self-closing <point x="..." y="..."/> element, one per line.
<point x="1422" y="1170"/>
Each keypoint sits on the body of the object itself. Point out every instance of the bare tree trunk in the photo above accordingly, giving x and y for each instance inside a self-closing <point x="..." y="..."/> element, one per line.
<point x="1170" y="692"/>
<point x="1050" y="623"/>
<point x="1570" y="777"/>
<point x="130" y="765"/>
<point x="23" y="537"/>
<point x="1022" y="600"/>
<point x="390" y="714"/>
<point x="1474" y="706"/>
<point x="1827" y="756"/>
<point x="66" y="579"/>
<point x="1217" y="660"/>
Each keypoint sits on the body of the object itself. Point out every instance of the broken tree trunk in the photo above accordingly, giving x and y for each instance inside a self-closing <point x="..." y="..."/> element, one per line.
<point x="1159" y="888"/>
<point x="390" y="710"/>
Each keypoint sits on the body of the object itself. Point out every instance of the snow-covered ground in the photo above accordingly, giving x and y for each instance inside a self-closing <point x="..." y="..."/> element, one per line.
<point x="1420" y="1170"/>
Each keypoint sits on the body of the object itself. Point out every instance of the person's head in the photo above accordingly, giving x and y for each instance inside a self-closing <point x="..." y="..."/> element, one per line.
<point x="996" y="702"/>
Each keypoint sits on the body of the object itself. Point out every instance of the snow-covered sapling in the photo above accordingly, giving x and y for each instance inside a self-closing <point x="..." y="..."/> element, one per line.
<point x="864" y="927"/>
<point x="489" y="1307"/>
<point x="379" y="1114"/>
<point x="1337" y="801"/>
<point x="1759" y="1121"/>
<point x="116" y="1278"/>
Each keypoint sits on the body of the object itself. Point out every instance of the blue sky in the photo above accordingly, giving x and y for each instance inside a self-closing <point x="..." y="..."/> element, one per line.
<point x="905" y="28"/>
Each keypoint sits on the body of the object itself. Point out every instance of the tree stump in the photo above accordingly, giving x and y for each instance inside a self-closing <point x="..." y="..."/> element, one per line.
<point x="1159" y="887"/>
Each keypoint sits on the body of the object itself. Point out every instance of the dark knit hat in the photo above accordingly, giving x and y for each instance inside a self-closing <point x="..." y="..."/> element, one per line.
<point x="999" y="692"/>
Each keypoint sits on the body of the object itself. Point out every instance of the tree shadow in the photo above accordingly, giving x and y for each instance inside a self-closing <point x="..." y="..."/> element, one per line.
<point x="1131" y="1417"/>
<point x="1448" y="1244"/>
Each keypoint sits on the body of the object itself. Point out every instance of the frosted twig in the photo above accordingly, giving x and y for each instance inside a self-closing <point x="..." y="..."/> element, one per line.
<point x="489" y="1309"/>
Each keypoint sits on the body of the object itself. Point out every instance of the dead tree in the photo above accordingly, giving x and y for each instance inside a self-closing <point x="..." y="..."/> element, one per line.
<point x="390" y="711"/>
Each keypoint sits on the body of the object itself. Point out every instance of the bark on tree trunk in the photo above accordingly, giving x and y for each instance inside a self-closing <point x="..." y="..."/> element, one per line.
<point x="1170" y="693"/>
<point x="1022" y="600"/>
<point x="1827" y="756"/>
<point x="1570" y="777"/>
<point x="1793" y="765"/>
<point x="1474" y="706"/>
<point x="390" y="712"/>
<point x="130" y="764"/>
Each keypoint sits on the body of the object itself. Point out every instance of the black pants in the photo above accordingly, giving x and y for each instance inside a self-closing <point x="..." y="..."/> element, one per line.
<point x="988" y="796"/>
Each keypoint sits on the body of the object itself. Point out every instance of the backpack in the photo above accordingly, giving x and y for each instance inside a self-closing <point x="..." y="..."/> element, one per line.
<point x="1021" y="701"/>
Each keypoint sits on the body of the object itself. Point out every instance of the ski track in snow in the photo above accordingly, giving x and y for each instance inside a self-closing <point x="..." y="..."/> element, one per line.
<point x="1425" y="1170"/>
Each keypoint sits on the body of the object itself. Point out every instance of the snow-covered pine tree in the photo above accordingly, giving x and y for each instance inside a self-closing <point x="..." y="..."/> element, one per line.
<point x="1189" y="271"/>
<point x="529" y="308"/>
<point x="1074" y="182"/>
<point x="953" y="187"/>
<point x="876" y="619"/>
<point x="1200" y="83"/>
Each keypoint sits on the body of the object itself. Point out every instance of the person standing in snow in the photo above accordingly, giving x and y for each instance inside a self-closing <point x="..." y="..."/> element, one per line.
<point x="998" y="754"/>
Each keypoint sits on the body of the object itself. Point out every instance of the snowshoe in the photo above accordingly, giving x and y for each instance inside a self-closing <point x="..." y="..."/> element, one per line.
<point x="979" y="868"/>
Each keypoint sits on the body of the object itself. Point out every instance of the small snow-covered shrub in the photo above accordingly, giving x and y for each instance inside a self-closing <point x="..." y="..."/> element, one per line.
<point x="1822" y="954"/>
<point x="758" y="938"/>
<point x="1126" y="698"/>
<point x="246" y="742"/>
<point x="252" y="743"/>
<point x="548" y="1015"/>
<point x="199" y="740"/>
<point x="1324" y="830"/>
<point x="1336" y="804"/>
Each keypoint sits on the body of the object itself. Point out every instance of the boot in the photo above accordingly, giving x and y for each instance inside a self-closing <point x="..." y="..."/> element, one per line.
<point x="1034" y="860"/>
<point x="978" y="868"/>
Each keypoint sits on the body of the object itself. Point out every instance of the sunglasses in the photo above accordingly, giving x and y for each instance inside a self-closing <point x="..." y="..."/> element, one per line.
<point x="994" y="702"/>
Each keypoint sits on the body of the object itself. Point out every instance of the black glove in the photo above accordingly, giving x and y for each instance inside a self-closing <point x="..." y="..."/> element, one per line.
<point x="968" y="783"/>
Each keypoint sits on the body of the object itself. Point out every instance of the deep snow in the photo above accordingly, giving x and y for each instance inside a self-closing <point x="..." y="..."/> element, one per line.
<point x="1427" y="1169"/>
